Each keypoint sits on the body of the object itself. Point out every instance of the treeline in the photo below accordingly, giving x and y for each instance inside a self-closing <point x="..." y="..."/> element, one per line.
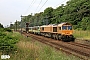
<point x="76" y="12"/>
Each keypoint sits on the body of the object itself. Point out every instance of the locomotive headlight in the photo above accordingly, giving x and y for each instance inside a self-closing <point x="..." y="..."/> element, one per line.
<point x="70" y="32"/>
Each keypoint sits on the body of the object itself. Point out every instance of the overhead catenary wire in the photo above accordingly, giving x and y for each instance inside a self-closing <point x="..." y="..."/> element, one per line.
<point x="42" y="5"/>
<point x="29" y="6"/>
<point x="38" y="5"/>
<point x="60" y="3"/>
<point x="33" y="1"/>
<point x="37" y="8"/>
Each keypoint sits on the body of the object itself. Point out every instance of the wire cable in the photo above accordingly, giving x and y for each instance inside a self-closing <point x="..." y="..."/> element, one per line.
<point x="33" y="1"/>
<point x="38" y="5"/>
<point x="60" y="3"/>
<point x="42" y="5"/>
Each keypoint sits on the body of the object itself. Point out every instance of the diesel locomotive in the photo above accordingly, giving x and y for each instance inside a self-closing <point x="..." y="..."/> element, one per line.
<point x="62" y="31"/>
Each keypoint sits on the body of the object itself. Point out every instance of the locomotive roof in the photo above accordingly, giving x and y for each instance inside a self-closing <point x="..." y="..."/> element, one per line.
<point x="48" y="25"/>
<point x="36" y="26"/>
<point x="65" y="23"/>
<point x="43" y="26"/>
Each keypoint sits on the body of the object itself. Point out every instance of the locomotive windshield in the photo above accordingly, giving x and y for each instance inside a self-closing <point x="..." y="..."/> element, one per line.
<point x="66" y="27"/>
<point x="69" y="27"/>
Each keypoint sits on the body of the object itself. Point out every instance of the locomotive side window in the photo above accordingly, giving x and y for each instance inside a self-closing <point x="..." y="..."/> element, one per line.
<point x="64" y="27"/>
<point x="54" y="29"/>
<point x="59" y="28"/>
<point x="69" y="27"/>
<point x="43" y="28"/>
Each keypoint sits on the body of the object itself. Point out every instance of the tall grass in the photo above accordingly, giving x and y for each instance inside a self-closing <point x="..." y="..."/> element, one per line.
<point x="28" y="49"/>
<point x="82" y="34"/>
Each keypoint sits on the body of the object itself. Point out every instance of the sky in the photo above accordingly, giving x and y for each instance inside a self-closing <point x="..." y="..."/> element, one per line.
<point x="11" y="10"/>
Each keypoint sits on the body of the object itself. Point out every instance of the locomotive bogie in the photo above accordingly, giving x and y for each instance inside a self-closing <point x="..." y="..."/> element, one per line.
<point x="48" y="35"/>
<point x="54" y="35"/>
<point x="67" y="38"/>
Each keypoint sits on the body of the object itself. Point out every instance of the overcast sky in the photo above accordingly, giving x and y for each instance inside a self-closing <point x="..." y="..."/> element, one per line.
<point x="11" y="10"/>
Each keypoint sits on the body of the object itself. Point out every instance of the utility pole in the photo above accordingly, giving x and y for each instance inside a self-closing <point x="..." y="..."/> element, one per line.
<point x="10" y="25"/>
<point x="21" y="24"/>
<point x="16" y="25"/>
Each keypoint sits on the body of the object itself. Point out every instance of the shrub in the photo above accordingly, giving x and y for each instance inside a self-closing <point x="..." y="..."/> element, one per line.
<point x="7" y="43"/>
<point x="8" y="29"/>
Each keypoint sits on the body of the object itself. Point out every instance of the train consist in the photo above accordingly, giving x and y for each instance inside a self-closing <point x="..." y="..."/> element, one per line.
<point x="61" y="31"/>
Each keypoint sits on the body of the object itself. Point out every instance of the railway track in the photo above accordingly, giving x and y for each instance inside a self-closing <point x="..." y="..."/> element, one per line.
<point x="80" y="45"/>
<point x="77" y="49"/>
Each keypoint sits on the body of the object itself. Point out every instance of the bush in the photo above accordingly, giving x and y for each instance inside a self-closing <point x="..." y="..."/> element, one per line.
<point x="8" y="29"/>
<point x="7" y="43"/>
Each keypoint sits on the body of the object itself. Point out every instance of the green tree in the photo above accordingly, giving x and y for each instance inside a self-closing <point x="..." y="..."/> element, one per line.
<point x="77" y="12"/>
<point x="1" y="26"/>
<point x="85" y="23"/>
<point x="48" y="14"/>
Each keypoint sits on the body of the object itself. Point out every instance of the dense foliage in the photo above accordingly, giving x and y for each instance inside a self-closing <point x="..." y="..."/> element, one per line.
<point x="7" y="29"/>
<point x="1" y="26"/>
<point x="7" y="42"/>
<point x="76" y="12"/>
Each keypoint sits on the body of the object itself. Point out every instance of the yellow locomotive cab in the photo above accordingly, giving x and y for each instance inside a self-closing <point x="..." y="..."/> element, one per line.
<point x="65" y="29"/>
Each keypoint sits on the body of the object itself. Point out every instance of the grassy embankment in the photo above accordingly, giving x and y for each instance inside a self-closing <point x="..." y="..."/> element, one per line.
<point x="82" y="34"/>
<point x="33" y="50"/>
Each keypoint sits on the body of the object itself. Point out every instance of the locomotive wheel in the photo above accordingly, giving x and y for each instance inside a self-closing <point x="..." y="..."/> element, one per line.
<point x="52" y="36"/>
<point x="73" y="39"/>
<point x="59" y="37"/>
